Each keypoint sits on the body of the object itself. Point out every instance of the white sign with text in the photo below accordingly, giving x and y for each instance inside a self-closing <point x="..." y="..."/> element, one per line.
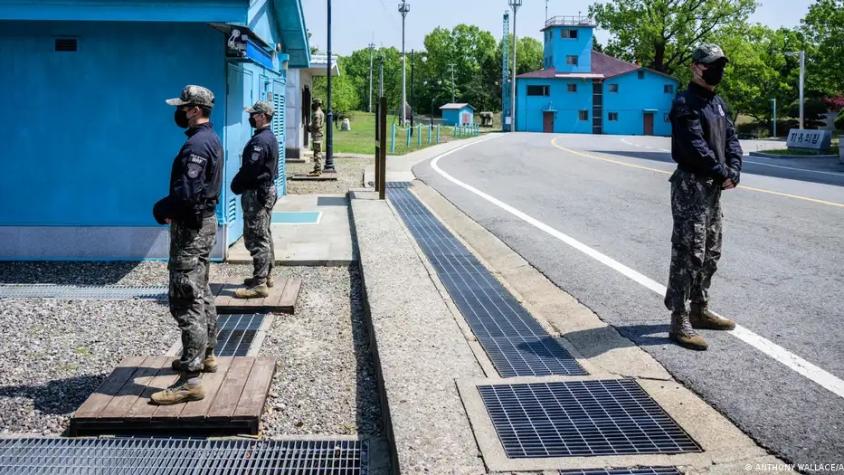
<point x="811" y="139"/>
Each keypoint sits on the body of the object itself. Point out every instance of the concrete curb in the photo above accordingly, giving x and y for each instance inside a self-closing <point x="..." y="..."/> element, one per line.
<point x="788" y="157"/>
<point x="418" y="349"/>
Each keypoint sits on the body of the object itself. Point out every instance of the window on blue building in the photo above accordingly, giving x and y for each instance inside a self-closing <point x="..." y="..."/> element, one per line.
<point x="571" y="60"/>
<point x="669" y="89"/>
<point x="612" y="87"/>
<point x="612" y="116"/>
<point x="539" y="90"/>
<point x="641" y="74"/>
<point x="568" y="34"/>
<point x="584" y="115"/>
<point x="571" y="87"/>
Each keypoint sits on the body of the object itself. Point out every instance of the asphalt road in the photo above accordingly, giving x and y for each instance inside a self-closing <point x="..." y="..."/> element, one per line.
<point x="781" y="275"/>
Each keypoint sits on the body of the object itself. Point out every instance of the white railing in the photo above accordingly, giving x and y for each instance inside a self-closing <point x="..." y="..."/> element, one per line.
<point x="569" y="21"/>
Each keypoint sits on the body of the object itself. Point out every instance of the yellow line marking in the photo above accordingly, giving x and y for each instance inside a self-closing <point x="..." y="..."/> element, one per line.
<point x="664" y="172"/>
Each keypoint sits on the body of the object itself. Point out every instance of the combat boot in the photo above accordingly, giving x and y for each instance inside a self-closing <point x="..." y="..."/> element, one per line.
<point x="209" y="364"/>
<point x="250" y="281"/>
<point x="684" y="335"/>
<point x="702" y="317"/>
<point x="185" y="390"/>
<point x="257" y="292"/>
<point x="315" y="172"/>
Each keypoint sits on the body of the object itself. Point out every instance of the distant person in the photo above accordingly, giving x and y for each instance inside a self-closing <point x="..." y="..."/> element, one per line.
<point x="189" y="209"/>
<point x="317" y="130"/>
<point x="256" y="182"/>
<point x="709" y="157"/>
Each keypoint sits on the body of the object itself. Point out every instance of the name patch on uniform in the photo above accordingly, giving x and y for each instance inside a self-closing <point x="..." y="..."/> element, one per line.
<point x="194" y="158"/>
<point x="195" y="165"/>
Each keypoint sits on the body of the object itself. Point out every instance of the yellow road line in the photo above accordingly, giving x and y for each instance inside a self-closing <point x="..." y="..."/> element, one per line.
<point x="664" y="172"/>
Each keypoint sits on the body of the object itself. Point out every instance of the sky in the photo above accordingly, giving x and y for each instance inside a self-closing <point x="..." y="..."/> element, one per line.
<point x="356" y="23"/>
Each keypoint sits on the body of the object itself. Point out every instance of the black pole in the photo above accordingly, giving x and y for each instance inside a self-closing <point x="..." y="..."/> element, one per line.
<point x="329" y="147"/>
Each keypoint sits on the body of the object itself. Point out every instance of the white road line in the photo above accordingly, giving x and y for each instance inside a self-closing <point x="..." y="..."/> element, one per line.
<point x="799" y="365"/>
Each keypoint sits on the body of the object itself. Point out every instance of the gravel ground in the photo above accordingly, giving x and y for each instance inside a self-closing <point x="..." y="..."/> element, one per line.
<point x="349" y="175"/>
<point x="325" y="382"/>
<point x="55" y="353"/>
<point x="62" y="350"/>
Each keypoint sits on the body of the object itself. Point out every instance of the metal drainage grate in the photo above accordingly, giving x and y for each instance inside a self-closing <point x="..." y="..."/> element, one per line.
<point x="182" y="456"/>
<point x="582" y="418"/>
<point x="624" y="471"/>
<point x="235" y="333"/>
<point x="78" y="292"/>
<point x="515" y="342"/>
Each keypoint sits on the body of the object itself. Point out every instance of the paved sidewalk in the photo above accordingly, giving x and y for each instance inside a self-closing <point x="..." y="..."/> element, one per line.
<point x="328" y="242"/>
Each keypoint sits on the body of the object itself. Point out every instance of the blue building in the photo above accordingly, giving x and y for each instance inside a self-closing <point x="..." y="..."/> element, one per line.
<point x="458" y="114"/>
<point x="583" y="91"/>
<point x="86" y="140"/>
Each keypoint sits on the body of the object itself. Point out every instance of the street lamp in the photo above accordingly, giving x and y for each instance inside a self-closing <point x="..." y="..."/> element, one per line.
<point x="515" y="4"/>
<point x="802" y="55"/>
<point x="329" y="136"/>
<point x="404" y="9"/>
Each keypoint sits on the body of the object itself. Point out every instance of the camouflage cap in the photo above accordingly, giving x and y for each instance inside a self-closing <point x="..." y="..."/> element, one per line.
<point x="317" y="102"/>
<point x="708" y="53"/>
<point x="261" y="107"/>
<point x="193" y="95"/>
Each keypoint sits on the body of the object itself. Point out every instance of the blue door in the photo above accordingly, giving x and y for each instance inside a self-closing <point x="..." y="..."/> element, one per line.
<point x="239" y="92"/>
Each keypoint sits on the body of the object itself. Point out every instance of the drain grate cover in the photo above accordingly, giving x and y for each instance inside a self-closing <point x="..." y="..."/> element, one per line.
<point x="78" y="292"/>
<point x="235" y="333"/>
<point x="515" y="342"/>
<point x="182" y="456"/>
<point x="624" y="471"/>
<point x="582" y="418"/>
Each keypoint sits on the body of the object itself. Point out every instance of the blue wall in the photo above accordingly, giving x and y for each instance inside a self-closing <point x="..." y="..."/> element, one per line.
<point x="633" y="96"/>
<point x="557" y="48"/>
<point x="222" y="11"/>
<point x="86" y="136"/>
<point x="529" y="109"/>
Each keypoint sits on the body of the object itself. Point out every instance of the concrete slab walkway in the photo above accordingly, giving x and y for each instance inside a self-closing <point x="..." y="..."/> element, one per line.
<point x="328" y="242"/>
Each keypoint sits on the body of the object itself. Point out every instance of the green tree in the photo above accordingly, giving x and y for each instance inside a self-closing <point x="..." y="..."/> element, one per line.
<point x="759" y="69"/>
<point x="824" y="28"/>
<point x="661" y="34"/>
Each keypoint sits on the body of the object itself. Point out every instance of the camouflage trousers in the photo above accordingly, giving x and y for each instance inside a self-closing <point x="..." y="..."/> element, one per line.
<point x="191" y="300"/>
<point x="317" y="146"/>
<point x="695" y="241"/>
<point x="257" y="235"/>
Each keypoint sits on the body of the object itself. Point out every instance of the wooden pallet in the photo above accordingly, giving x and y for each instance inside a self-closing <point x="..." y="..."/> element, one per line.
<point x="234" y="399"/>
<point x="282" y="298"/>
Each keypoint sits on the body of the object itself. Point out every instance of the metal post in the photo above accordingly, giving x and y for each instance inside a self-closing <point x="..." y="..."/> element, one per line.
<point x="412" y="62"/>
<point x="802" y="78"/>
<point x="451" y="67"/>
<point x="515" y="4"/>
<point x="774" y="118"/>
<point x="546" y="10"/>
<point x="329" y="136"/>
<point x="404" y="8"/>
<point x="371" y="62"/>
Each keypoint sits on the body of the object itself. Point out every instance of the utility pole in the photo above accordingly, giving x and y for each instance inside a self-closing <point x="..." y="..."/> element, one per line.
<point x="329" y="136"/>
<point x="412" y="102"/>
<point x="546" y="9"/>
<point x="371" y="50"/>
<point x="774" y="118"/>
<point x="453" y="86"/>
<point x="404" y="9"/>
<point x="515" y="4"/>
<point x="802" y="79"/>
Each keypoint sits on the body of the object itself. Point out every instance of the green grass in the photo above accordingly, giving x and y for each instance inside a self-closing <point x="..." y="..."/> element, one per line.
<point x="361" y="139"/>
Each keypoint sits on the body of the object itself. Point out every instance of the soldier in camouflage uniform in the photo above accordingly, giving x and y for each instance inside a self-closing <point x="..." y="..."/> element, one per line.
<point x="317" y="130"/>
<point x="256" y="181"/>
<point x="709" y="159"/>
<point x="189" y="208"/>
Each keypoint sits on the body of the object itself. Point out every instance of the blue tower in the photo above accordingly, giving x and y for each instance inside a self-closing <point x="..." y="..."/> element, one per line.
<point x="568" y="44"/>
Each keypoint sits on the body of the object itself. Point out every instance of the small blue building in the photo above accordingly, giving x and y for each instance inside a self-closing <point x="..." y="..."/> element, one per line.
<point x="458" y="114"/>
<point x="583" y="91"/>
<point x="86" y="140"/>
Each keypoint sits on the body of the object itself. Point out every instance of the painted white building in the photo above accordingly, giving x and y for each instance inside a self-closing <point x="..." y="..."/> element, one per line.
<point x="300" y="84"/>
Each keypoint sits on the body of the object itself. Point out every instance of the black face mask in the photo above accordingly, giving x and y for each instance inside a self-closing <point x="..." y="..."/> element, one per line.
<point x="713" y="74"/>
<point x="181" y="118"/>
<point x="252" y="122"/>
